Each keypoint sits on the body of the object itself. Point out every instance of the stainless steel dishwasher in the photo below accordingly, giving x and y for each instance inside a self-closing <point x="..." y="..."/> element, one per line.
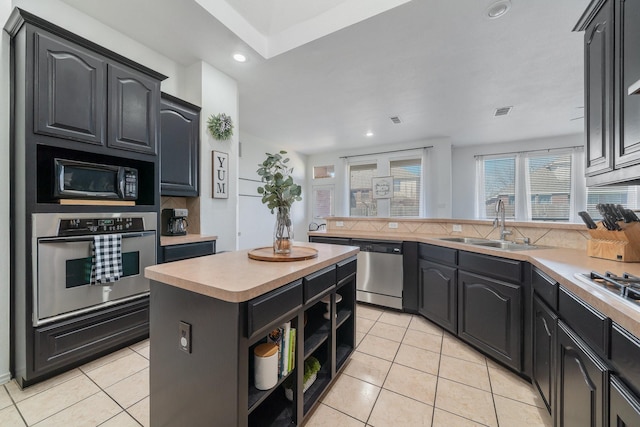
<point x="379" y="272"/>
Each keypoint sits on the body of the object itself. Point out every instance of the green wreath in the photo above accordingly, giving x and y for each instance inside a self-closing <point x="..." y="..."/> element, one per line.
<point x="220" y="126"/>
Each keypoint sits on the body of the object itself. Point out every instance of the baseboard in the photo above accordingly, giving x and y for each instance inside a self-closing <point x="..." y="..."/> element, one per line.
<point x="5" y="378"/>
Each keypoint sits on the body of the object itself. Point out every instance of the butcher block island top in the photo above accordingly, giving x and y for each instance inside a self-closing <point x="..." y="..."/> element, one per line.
<point x="234" y="277"/>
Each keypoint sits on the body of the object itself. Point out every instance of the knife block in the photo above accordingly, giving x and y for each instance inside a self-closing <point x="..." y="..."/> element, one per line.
<point x="615" y="245"/>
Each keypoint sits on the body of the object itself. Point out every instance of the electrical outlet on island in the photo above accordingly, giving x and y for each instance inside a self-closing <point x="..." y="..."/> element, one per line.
<point x="457" y="227"/>
<point x="339" y="224"/>
<point x="393" y="225"/>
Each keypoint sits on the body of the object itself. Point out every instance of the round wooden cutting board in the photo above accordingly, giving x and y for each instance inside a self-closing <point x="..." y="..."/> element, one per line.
<point x="298" y="253"/>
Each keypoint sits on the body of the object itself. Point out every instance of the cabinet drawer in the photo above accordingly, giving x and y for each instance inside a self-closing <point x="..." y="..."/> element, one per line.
<point x="318" y="282"/>
<point x="591" y="325"/>
<point x="266" y="308"/>
<point x="438" y="253"/>
<point x="346" y="268"/>
<point x="330" y="240"/>
<point x="77" y="339"/>
<point x="545" y="287"/>
<point x="499" y="268"/>
<point x="188" y="250"/>
<point x="625" y="356"/>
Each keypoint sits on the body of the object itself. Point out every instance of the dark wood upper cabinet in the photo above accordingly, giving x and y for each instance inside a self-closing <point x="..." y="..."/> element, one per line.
<point x="179" y="147"/>
<point x="598" y="57"/>
<point x="627" y="150"/>
<point x="612" y="116"/>
<point x="134" y="105"/>
<point x="70" y="90"/>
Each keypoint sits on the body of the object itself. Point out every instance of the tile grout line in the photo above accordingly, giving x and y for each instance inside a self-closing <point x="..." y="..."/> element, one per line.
<point x="390" y="367"/>
<point x="14" y="404"/>
<point x="110" y="397"/>
<point x="435" y="392"/>
<point x="493" y="396"/>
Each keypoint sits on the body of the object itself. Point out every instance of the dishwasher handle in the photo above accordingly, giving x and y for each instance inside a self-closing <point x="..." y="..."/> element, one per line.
<point x="384" y="247"/>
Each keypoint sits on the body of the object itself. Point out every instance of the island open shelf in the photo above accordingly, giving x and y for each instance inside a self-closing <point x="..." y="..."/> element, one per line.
<point x="208" y="379"/>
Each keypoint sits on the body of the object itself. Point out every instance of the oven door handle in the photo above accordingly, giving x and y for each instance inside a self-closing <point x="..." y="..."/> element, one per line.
<point x="89" y="238"/>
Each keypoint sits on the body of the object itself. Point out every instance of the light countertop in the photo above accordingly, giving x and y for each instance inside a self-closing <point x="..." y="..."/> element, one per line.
<point x="234" y="277"/>
<point x="558" y="263"/>
<point x="187" y="238"/>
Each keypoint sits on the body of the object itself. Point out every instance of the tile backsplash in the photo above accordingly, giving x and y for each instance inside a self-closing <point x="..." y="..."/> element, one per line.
<point x="574" y="236"/>
<point x="190" y="203"/>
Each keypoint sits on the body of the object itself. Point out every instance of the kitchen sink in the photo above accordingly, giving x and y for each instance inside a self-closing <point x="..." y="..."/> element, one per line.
<point x="509" y="246"/>
<point x="468" y="240"/>
<point x="496" y="244"/>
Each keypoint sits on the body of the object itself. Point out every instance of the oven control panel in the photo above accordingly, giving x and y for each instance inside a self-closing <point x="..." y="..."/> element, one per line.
<point x="78" y="226"/>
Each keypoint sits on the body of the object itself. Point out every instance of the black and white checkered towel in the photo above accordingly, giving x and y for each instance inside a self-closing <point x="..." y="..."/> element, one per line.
<point x="106" y="266"/>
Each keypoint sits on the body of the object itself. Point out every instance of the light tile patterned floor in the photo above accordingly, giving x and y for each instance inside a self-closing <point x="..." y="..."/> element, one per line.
<point x="405" y="372"/>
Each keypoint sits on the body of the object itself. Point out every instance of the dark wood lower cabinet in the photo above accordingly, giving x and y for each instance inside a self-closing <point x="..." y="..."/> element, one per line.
<point x="544" y="346"/>
<point x="624" y="406"/>
<point x="74" y="341"/>
<point x="490" y="317"/>
<point x="438" y="294"/>
<point x="211" y="383"/>
<point x="188" y="250"/>
<point x="582" y="381"/>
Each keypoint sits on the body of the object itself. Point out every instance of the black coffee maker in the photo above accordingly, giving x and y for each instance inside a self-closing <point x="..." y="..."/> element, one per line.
<point x="174" y="222"/>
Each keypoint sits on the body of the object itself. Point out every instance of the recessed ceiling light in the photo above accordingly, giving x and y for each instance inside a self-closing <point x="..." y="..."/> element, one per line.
<point x="239" y="57"/>
<point x="498" y="9"/>
<point x="369" y="133"/>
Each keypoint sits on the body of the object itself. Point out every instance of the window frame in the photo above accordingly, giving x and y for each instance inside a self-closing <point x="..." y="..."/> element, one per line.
<point x="383" y="162"/>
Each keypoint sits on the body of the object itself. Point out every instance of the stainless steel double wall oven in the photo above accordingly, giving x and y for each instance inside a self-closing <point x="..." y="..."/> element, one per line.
<point x="62" y="261"/>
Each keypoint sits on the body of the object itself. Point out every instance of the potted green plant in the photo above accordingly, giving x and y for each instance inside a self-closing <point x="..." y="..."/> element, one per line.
<point x="278" y="193"/>
<point x="311" y="368"/>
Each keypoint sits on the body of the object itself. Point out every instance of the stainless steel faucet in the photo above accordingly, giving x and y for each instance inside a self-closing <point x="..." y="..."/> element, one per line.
<point x="499" y="220"/>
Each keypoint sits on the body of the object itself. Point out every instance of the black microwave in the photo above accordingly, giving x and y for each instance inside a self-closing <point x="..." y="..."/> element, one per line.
<point x="74" y="179"/>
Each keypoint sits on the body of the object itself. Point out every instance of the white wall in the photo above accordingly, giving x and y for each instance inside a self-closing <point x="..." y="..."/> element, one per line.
<point x="464" y="166"/>
<point x="437" y="187"/>
<point x="216" y="93"/>
<point x="71" y="19"/>
<point x="255" y="224"/>
<point x="5" y="10"/>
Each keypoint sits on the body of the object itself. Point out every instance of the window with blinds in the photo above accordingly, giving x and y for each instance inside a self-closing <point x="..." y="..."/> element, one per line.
<point x="541" y="187"/>
<point x="361" y="201"/>
<point x="499" y="182"/>
<point x="625" y="195"/>
<point x="548" y="182"/>
<point x="406" y="187"/>
<point x="532" y="186"/>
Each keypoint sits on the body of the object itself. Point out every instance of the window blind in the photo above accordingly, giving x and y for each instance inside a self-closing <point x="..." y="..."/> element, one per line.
<point x="406" y="187"/>
<point x="361" y="201"/>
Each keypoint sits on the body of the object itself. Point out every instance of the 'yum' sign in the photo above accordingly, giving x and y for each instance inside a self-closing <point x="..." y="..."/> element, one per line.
<point x="220" y="175"/>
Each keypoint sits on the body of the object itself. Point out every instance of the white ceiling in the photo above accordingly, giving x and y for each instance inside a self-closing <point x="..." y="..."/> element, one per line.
<point x="316" y="82"/>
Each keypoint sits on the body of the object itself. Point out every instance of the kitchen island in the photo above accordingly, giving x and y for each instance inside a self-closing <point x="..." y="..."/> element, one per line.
<point x="209" y="313"/>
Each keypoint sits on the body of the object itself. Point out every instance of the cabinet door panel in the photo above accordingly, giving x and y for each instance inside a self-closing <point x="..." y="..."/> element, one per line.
<point x="624" y="406"/>
<point x="69" y="91"/>
<point x="628" y="113"/>
<point x="544" y="337"/>
<point x="134" y="101"/>
<point x="438" y="294"/>
<point x="490" y="316"/>
<point x="581" y="381"/>
<point x="598" y="54"/>
<point x="179" y="148"/>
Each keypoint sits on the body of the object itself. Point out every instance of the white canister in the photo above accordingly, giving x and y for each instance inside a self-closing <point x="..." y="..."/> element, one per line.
<point x="265" y="365"/>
